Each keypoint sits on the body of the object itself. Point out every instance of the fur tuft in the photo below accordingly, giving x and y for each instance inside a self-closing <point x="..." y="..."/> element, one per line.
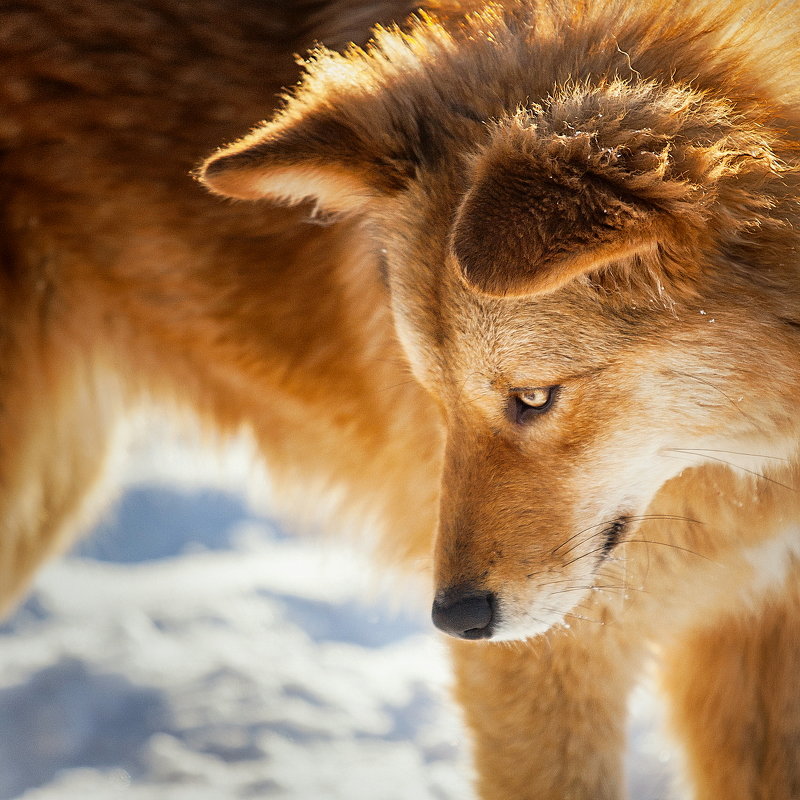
<point x="598" y="174"/>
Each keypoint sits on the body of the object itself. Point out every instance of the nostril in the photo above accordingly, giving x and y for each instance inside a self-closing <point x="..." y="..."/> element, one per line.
<point x="464" y="612"/>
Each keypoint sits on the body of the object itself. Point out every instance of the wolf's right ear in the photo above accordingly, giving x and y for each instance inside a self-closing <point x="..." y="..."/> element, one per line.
<point x="315" y="157"/>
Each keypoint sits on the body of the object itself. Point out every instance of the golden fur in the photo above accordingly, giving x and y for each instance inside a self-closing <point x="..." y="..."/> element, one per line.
<point x="576" y="222"/>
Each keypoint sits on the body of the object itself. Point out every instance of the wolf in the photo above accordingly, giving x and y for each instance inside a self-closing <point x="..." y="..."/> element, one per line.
<point x="587" y="215"/>
<point x="518" y="298"/>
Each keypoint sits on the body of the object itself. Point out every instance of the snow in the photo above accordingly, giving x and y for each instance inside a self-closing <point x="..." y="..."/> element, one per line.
<point x="191" y="649"/>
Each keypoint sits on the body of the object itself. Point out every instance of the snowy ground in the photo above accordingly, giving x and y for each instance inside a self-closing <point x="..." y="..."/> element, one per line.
<point x="190" y="649"/>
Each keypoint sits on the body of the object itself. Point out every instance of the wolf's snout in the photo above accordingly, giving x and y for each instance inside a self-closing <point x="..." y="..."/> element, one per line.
<point x="464" y="612"/>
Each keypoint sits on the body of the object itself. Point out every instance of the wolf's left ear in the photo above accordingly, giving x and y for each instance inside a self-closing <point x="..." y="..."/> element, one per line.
<point x="316" y="157"/>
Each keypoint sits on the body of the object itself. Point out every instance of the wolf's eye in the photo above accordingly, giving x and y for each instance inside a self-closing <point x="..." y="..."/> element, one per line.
<point x="524" y="404"/>
<point x="537" y="398"/>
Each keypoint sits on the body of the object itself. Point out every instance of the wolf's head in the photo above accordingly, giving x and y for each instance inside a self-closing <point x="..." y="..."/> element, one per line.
<point x="589" y="220"/>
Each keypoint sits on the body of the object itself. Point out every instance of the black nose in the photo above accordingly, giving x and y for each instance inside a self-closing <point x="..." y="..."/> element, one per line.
<point x="464" y="611"/>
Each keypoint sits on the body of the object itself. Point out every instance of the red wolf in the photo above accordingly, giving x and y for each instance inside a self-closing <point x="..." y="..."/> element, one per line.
<point x="576" y="223"/>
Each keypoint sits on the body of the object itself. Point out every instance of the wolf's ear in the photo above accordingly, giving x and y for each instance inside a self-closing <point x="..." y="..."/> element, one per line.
<point x="530" y="224"/>
<point x="316" y="158"/>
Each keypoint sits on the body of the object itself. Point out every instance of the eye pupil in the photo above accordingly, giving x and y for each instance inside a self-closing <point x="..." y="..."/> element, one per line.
<point x="524" y="404"/>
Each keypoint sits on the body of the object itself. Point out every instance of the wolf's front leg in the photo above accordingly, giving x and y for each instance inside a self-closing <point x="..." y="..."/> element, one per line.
<point x="548" y="715"/>
<point x="735" y="686"/>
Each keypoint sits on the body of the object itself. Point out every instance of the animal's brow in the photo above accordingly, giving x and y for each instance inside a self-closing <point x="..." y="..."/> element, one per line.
<point x="559" y="381"/>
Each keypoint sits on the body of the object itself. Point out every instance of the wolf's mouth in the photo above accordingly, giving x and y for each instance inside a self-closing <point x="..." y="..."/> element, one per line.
<point x="613" y="534"/>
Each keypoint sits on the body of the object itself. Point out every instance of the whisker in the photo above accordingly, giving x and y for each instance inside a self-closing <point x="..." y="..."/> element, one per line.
<point x="603" y="587"/>
<point x="397" y="385"/>
<point x="673" y="546"/>
<point x="551" y="583"/>
<point x="626" y="588"/>
<point x="587" y="538"/>
<point x="643" y="541"/>
<point x="571" y="615"/>
<point x="585" y="555"/>
<point x="636" y="518"/>
<point x="729" y="452"/>
<point x="735" y="466"/>
<point x="534" y="574"/>
<point x="579" y="533"/>
<point x="716" y="389"/>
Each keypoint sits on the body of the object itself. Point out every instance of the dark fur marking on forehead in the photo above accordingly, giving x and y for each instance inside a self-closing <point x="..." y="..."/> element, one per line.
<point x="428" y="146"/>
<point x="430" y="139"/>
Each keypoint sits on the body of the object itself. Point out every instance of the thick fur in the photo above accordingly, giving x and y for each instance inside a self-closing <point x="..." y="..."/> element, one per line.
<point x="123" y="279"/>
<point x="595" y="203"/>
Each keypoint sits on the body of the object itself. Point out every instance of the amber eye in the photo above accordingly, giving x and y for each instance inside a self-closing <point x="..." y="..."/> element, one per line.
<point x="524" y="404"/>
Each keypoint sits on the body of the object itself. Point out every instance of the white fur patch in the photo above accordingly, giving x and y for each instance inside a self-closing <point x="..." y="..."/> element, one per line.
<point x="334" y="192"/>
<point x="544" y="612"/>
<point x="773" y="562"/>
